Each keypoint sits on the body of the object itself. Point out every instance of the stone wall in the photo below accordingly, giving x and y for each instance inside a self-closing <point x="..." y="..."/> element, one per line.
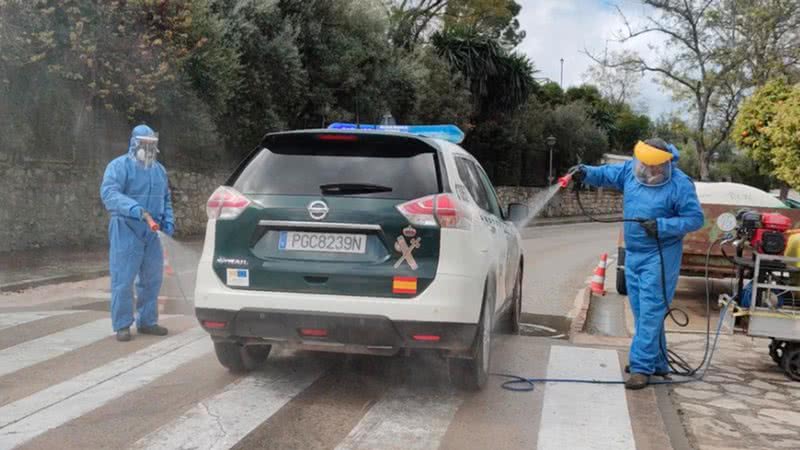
<point x="564" y="204"/>
<point x="58" y="205"/>
<point x="55" y="205"/>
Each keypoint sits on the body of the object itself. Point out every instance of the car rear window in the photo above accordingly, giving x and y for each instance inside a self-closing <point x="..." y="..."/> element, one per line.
<point x="300" y="167"/>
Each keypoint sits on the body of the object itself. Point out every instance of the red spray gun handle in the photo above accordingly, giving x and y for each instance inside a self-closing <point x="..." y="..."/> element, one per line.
<point x="150" y="222"/>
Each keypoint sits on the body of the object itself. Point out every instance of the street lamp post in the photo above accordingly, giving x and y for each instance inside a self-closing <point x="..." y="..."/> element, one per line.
<point x="551" y="142"/>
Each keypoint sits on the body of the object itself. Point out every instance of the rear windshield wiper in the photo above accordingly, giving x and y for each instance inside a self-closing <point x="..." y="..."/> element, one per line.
<point x="353" y="188"/>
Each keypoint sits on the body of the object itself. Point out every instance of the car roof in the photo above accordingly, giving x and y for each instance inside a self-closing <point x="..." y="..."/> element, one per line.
<point x="440" y="144"/>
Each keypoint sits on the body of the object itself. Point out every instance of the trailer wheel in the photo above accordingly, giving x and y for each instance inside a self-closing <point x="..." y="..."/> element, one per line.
<point x="791" y="361"/>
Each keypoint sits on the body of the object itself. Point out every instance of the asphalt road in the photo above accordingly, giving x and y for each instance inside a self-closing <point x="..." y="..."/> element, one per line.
<point x="66" y="383"/>
<point x="559" y="259"/>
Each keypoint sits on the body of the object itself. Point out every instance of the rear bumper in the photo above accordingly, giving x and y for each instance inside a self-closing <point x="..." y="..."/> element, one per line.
<point x="449" y="298"/>
<point x="344" y="333"/>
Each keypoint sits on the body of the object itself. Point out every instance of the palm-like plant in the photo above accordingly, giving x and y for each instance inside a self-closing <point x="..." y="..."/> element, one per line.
<point x="500" y="81"/>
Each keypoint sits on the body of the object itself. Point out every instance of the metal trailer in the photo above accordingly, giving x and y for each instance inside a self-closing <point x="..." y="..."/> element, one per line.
<point x="774" y="310"/>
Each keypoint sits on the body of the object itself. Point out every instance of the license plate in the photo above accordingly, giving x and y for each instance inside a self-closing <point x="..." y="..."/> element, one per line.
<point x="322" y="242"/>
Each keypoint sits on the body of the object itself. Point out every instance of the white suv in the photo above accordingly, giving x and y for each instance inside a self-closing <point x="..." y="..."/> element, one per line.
<point x="359" y="242"/>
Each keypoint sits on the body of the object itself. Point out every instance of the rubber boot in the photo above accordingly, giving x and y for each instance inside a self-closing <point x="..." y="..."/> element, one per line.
<point x="124" y="335"/>
<point x="155" y="330"/>
<point x="637" y="381"/>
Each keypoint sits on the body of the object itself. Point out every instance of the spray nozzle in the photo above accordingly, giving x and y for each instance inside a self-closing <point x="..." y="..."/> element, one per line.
<point x="150" y="222"/>
<point x="566" y="179"/>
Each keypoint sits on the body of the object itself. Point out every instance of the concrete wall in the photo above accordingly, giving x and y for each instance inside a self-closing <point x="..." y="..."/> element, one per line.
<point x="564" y="204"/>
<point x="58" y="205"/>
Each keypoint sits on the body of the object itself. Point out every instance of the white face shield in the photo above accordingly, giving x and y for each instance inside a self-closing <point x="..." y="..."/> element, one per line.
<point x="652" y="176"/>
<point x="146" y="150"/>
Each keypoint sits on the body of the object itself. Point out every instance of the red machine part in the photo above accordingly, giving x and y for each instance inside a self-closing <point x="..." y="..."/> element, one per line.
<point x="770" y="237"/>
<point x="776" y="222"/>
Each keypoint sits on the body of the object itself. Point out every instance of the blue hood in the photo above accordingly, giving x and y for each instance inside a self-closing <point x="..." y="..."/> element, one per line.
<point x="676" y="156"/>
<point x="139" y="130"/>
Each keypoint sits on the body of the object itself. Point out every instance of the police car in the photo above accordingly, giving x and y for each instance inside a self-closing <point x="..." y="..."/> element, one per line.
<point x="360" y="241"/>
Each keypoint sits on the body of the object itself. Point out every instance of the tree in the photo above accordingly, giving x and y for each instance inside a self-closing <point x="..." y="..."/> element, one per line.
<point x="768" y="43"/>
<point x="767" y="130"/>
<point x="617" y="84"/>
<point x="755" y="119"/>
<point x="714" y="52"/>
<point x="629" y="128"/>
<point x="499" y="81"/>
<point x="493" y="18"/>
<point x="411" y="21"/>
<point x="696" y="63"/>
<point x="551" y="94"/>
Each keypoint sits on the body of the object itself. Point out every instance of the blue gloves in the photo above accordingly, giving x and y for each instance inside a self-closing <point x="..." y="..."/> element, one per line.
<point x="168" y="228"/>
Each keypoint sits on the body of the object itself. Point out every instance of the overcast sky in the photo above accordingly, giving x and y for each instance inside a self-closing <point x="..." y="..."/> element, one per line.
<point x="563" y="28"/>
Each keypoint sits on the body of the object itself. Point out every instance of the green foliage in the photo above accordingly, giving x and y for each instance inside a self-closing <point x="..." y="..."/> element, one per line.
<point x="754" y="120"/>
<point x="551" y="94"/>
<point x="629" y="128"/>
<point x="783" y="133"/>
<point x="499" y="81"/>
<point x="213" y="76"/>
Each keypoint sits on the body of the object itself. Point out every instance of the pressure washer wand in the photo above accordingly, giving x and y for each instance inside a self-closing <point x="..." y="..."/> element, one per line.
<point x="154" y="227"/>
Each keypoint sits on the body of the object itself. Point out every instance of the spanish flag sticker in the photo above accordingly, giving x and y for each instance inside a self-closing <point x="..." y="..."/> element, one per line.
<point x="404" y="285"/>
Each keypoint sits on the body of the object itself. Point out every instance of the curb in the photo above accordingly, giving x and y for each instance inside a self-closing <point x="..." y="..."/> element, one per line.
<point x="577" y="315"/>
<point x="38" y="282"/>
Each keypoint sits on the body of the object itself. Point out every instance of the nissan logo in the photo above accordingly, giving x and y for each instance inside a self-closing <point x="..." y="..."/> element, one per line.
<point x="318" y="210"/>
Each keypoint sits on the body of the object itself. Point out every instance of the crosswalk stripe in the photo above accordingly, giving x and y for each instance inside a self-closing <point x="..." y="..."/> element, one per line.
<point x="585" y="416"/>
<point x="223" y="420"/>
<point x="8" y="320"/>
<point x="92" y="398"/>
<point x="27" y="406"/>
<point x="46" y="347"/>
<point x="415" y="419"/>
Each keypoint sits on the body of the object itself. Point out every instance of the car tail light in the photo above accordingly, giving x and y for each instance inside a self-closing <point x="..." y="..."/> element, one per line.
<point x="426" y="337"/>
<point x="214" y="325"/>
<point x="226" y="203"/>
<point x="338" y="137"/>
<point x="441" y="210"/>
<point x="314" y="332"/>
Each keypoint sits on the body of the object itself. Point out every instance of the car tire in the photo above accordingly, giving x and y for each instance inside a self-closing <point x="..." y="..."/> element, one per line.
<point x="472" y="374"/>
<point x="622" y="287"/>
<point x="241" y="359"/>
<point x="515" y="311"/>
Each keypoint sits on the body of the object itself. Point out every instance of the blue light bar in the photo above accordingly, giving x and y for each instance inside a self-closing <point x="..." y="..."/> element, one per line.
<point x="449" y="133"/>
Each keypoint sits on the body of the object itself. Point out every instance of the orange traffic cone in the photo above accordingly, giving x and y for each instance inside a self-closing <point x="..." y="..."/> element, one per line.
<point x="599" y="277"/>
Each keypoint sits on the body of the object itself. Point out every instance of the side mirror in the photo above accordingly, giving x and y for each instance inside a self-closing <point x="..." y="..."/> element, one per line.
<point x="517" y="213"/>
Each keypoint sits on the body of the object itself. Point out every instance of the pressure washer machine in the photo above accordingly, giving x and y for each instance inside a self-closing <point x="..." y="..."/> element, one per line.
<point x="766" y="300"/>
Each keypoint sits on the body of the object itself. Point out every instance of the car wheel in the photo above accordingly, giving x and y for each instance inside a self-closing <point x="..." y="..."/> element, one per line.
<point x="471" y="374"/>
<point x="791" y="361"/>
<point x="622" y="287"/>
<point x="240" y="359"/>
<point x="515" y="313"/>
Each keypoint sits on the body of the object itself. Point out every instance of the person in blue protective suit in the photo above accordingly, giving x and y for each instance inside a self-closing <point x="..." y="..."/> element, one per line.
<point x="135" y="189"/>
<point x="664" y="200"/>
